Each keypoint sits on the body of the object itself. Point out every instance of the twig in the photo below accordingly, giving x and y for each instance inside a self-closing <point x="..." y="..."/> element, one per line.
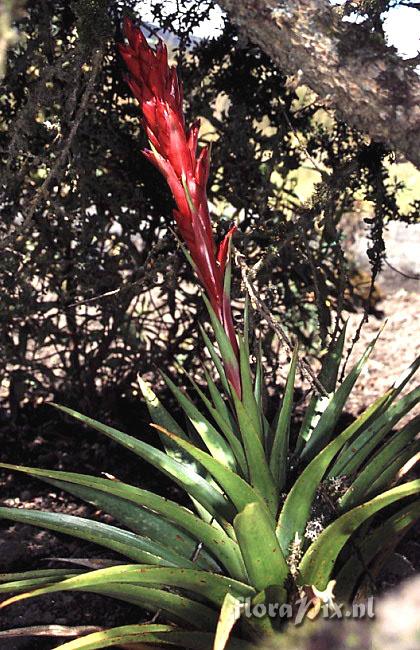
<point x="107" y="294"/>
<point x="405" y="275"/>
<point x="365" y="316"/>
<point x="323" y="325"/>
<point x="324" y="174"/>
<point x="42" y="192"/>
<point x="363" y="321"/>
<point x="276" y="326"/>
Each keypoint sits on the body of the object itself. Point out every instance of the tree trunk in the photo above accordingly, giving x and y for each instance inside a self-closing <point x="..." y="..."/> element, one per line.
<point x="369" y="85"/>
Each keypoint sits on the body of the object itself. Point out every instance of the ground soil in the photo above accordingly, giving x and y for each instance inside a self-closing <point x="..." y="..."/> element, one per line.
<point x="398" y="345"/>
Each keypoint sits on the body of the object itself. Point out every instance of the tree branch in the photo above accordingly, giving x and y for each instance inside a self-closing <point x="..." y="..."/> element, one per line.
<point x="369" y="85"/>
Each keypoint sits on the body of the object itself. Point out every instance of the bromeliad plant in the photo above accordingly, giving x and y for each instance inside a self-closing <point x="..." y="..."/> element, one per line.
<point x="271" y="517"/>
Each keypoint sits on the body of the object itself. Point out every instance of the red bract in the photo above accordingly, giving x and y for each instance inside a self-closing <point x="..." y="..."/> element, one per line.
<point x="173" y="151"/>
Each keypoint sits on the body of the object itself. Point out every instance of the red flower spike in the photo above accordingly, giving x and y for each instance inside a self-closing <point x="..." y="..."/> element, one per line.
<point x="159" y="92"/>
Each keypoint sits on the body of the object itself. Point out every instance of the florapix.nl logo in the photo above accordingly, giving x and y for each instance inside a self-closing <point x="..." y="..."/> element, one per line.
<point x="312" y="603"/>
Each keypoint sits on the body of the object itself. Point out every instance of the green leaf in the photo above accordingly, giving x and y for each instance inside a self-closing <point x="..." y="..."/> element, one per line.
<point x="388" y="533"/>
<point x="248" y="397"/>
<point x="331" y="362"/>
<point x="297" y="506"/>
<point x="219" y="403"/>
<point x="208" y="585"/>
<point x="361" y="447"/>
<point x="226" y="350"/>
<point x="158" y="412"/>
<point x="141" y="521"/>
<point x="123" y="541"/>
<point x="212" y="439"/>
<point x="404" y="378"/>
<point x="195" y="485"/>
<point x="329" y="418"/>
<point x="259" y="471"/>
<point x="21" y="583"/>
<point x="259" y="379"/>
<point x="160" y="415"/>
<point x="246" y="321"/>
<point x="229" y="614"/>
<point x="389" y="475"/>
<point x="259" y="389"/>
<point x="216" y="360"/>
<point x="37" y="573"/>
<point x="328" y="378"/>
<point x="318" y="562"/>
<point x="227" y="280"/>
<point x="266" y="625"/>
<point x="215" y="540"/>
<point x="218" y="415"/>
<point x="396" y="389"/>
<point x="154" y="634"/>
<point x="238" y="491"/>
<point x="260" y="549"/>
<point x="280" y="448"/>
<point x="179" y="608"/>
<point x="378" y="466"/>
<point x="314" y="410"/>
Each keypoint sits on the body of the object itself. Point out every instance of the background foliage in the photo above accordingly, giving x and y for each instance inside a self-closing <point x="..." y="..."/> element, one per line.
<point x="83" y="214"/>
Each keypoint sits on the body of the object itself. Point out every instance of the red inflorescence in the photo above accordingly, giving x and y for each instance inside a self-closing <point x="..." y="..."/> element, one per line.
<point x="174" y="152"/>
